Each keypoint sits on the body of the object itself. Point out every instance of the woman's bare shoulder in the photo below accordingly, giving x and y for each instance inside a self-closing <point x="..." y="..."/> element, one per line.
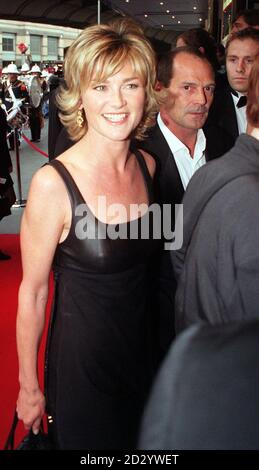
<point x="48" y="189"/>
<point x="48" y="201"/>
<point x="46" y="179"/>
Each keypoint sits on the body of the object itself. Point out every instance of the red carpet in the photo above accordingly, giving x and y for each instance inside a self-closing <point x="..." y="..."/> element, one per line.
<point x="10" y="278"/>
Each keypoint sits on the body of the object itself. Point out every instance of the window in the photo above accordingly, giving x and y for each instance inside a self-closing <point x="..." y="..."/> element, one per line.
<point x="35" y="44"/>
<point x="52" y="46"/>
<point x="8" y="42"/>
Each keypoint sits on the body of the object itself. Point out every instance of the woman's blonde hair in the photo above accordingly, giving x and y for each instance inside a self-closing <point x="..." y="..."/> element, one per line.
<point x="99" y="52"/>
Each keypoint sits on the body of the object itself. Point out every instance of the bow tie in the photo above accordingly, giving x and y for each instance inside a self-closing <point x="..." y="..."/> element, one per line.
<point x="242" y="101"/>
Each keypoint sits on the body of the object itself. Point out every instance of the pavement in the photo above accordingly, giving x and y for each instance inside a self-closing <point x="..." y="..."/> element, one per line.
<point x="30" y="162"/>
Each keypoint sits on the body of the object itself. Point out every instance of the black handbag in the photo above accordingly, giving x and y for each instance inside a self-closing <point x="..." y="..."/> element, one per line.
<point x="40" y="441"/>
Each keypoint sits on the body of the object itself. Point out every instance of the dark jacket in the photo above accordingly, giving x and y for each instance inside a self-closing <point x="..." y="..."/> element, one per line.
<point x="170" y="191"/>
<point x="221" y="128"/>
<point x="218" y="265"/>
<point x="170" y="186"/>
<point x="205" y="396"/>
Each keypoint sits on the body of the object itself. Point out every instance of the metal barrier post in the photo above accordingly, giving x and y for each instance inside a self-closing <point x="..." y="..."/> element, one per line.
<point x="98" y="11"/>
<point x="19" y="202"/>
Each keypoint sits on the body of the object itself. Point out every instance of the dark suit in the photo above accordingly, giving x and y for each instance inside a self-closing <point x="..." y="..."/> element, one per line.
<point x="170" y="191"/>
<point x="170" y="186"/>
<point x="221" y="128"/>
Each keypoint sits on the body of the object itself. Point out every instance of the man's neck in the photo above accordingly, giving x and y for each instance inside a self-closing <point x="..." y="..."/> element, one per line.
<point x="187" y="136"/>
<point x="237" y="93"/>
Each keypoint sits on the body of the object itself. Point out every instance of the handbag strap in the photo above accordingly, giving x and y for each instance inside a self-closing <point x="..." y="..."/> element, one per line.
<point x="9" y="445"/>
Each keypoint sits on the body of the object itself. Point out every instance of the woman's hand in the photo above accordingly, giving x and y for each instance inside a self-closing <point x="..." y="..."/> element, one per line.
<point x="31" y="408"/>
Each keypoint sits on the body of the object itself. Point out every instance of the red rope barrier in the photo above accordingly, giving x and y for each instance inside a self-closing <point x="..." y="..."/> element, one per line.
<point x="34" y="146"/>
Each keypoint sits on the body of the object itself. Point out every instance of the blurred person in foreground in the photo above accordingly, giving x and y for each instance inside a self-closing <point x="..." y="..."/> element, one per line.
<point x="205" y="394"/>
<point x="218" y="265"/>
<point x="99" y="355"/>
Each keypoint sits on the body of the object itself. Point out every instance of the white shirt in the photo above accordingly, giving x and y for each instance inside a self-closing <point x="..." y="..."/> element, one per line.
<point x="240" y="114"/>
<point x="186" y="165"/>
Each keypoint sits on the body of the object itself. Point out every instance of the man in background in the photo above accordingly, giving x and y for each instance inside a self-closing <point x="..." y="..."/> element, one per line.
<point x="178" y="144"/>
<point x="18" y="88"/>
<point x="227" y="116"/>
<point x="245" y="19"/>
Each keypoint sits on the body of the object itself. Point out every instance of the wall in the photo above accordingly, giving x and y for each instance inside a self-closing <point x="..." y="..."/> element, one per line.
<point x="22" y="31"/>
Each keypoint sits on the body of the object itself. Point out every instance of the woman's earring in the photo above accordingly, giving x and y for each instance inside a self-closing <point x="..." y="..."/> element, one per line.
<point x="80" y="118"/>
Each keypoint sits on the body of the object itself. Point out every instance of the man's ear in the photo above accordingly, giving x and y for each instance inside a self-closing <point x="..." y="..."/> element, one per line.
<point x="158" y="86"/>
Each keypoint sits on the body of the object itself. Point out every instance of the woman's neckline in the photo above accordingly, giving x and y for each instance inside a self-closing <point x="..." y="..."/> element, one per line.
<point x="99" y="221"/>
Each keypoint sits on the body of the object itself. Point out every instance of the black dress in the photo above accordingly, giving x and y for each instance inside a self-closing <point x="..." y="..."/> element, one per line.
<point x="100" y="349"/>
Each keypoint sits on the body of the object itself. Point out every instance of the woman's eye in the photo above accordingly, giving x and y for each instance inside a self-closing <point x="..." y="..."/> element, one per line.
<point x="99" y="88"/>
<point x="132" y="86"/>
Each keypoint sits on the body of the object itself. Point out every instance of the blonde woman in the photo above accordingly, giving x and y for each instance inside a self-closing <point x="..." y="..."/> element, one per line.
<point x="98" y="356"/>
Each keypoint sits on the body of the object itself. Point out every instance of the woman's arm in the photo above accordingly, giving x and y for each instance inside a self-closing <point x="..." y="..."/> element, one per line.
<point x="41" y="229"/>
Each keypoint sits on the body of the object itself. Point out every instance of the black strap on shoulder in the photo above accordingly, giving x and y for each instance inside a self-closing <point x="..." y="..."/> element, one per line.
<point x="146" y="175"/>
<point x="72" y="188"/>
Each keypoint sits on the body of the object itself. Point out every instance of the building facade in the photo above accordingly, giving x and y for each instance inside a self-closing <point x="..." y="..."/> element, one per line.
<point x="45" y="43"/>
